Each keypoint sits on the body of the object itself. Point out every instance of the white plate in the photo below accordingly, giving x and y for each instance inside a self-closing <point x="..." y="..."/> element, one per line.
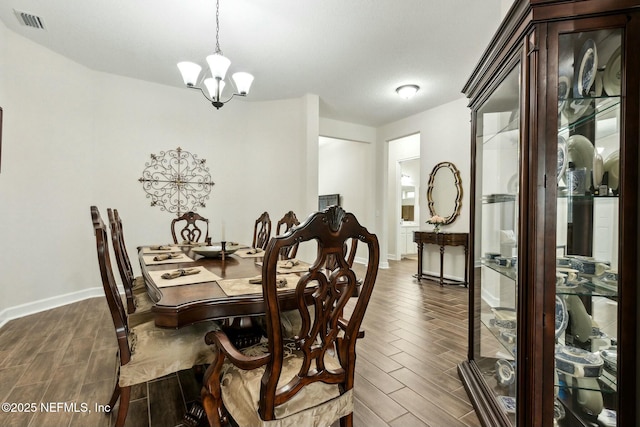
<point x="612" y="165"/>
<point x="588" y="60"/>
<point x="612" y="74"/>
<point x="598" y="169"/>
<point x="580" y="152"/>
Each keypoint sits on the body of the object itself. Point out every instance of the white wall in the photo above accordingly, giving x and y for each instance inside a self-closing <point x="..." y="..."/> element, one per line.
<point x="344" y="169"/>
<point x="444" y="136"/>
<point x="74" y="137"/>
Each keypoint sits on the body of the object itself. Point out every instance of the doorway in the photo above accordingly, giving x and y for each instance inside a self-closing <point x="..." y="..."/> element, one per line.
<point x="403" y="196"/>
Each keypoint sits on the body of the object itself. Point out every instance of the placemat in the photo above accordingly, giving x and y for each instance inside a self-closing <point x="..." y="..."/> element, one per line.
<point x="242" y="253"/>
<point x="235" y="287"/>
<point x="172" y="249"/>
<point x="204" y="276"/>
<point x="302" y="267"/>
<point x="148" y="259"/>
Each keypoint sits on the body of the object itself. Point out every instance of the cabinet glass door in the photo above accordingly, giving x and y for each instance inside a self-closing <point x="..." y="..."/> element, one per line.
<point x="496" y="240"/>
<point x="588" y="171"/>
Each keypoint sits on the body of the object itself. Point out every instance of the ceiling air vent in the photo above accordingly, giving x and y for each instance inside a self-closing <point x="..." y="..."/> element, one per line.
<point x="29" y="20"/>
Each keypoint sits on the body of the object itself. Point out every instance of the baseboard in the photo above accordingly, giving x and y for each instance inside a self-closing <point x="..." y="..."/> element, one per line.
<point x="445" y="276"/>
<point x="363" y="261"/>
<point x="394" y="257"/>
<point x="48" y="303"/>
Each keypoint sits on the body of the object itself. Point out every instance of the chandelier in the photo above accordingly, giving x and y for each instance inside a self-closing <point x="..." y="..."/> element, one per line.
<point x="218" y="65"/>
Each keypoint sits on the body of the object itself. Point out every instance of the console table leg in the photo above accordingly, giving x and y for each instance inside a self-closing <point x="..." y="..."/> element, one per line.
<point x="419" y="275"/>
<point x="441" y="265"/>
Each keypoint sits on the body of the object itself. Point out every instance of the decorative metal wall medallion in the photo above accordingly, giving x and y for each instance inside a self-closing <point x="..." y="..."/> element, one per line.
<point x="176" y="181"/>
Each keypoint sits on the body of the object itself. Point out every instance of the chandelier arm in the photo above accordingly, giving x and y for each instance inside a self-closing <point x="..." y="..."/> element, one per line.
<point x="201" y="91"/>
<point x="214" y="102"/>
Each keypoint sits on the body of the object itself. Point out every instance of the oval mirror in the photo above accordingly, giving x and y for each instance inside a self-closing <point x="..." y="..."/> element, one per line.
<point x="444" y="194"/>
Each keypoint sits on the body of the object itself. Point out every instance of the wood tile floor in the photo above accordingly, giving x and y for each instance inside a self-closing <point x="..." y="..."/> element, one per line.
<point x="416" y="334"/>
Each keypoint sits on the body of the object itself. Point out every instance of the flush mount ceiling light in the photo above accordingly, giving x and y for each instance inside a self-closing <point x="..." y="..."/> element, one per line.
<point x="218" y="64"/>
<point x="408" y="91"/>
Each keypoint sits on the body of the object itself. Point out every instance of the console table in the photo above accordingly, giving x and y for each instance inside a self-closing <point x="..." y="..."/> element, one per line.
<point x="442" y="240"/>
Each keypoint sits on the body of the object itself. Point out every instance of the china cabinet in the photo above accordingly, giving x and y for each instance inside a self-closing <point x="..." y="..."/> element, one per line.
<point x="554" y="255"/>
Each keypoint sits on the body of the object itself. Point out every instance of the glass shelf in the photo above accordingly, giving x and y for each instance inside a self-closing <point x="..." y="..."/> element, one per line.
<point x="563" y="195"/>
<point x="606" y="383"/>
<point x="603" y="105"/>
<point x="588" y="289"/>
<point x="498" y="198"/>
<point x="510" y="272"/>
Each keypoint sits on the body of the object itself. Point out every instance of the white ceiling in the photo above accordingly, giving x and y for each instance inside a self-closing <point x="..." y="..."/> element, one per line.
<point x="351" y="53"/>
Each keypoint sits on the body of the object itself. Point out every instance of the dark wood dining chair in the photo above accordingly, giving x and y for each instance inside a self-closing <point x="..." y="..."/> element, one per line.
<point x="190" y="231"/>
<point x="309" y="379"/>
<point x="350" y="249"/>
<point x="145" y="352"/>
<point x="138" y="301"/>
<point x="288" y="221"/>
<point x="261" y="231"/>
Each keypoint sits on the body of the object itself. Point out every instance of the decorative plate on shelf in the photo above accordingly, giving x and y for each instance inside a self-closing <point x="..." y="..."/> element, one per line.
<point x="612" y="74"/>
<point x="505" y="372"/>
<point x="587" y="70"/>
<point x="562" y="316"/>
<point x="564" y="89"/>
<point x="508" y="403"/>
<point x="610" y="357"/>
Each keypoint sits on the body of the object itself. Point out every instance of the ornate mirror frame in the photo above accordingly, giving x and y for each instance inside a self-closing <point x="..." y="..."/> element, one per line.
<point x="442" y="166"/>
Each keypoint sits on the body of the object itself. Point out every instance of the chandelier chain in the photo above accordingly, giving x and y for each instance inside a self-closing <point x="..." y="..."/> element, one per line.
<point x="218" y="50"/>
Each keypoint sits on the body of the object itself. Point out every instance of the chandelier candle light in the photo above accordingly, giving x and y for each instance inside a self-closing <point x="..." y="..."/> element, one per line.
<point x="436" y="221"/>
<point x="218" y="64"/>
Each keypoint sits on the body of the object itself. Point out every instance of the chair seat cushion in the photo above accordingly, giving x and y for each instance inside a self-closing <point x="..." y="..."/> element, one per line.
<point x="140" y="317"/>
<point x="316" y="404"/>
<point x="139" y="286"/>
<point x="291" y="322"/>
<point x="157" y="352"/>
<point x="143" y="302"/>
<point x="143" y="313"/>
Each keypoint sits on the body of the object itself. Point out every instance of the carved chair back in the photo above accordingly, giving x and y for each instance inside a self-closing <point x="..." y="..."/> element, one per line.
<point x="190" y="232"/>
<point x="262" y="231"/>
<point x="324" y="330"/>
<point x="116" y="307"/>
<point x="122" y="258"/>
<point x="288" y="221"/>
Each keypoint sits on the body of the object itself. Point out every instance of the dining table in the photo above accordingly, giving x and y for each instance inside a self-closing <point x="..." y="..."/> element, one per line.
<point x="220" y="290"/>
